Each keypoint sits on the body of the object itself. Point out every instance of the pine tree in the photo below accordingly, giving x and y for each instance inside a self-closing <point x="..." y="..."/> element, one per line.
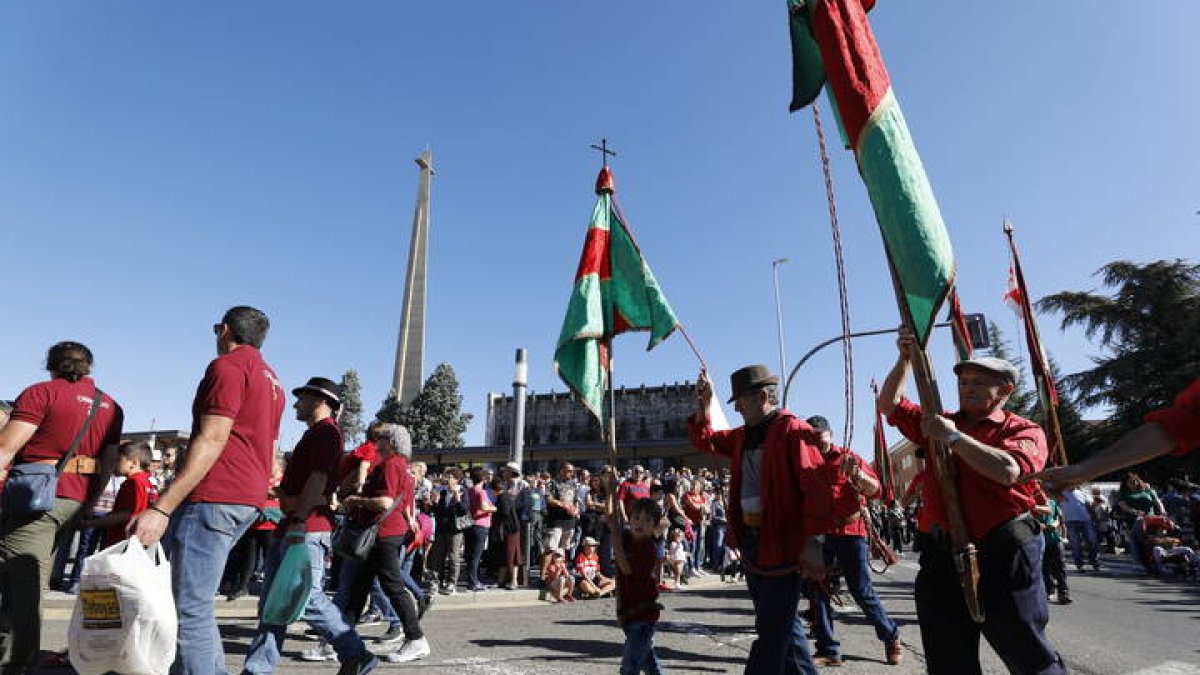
<point x="1023" y="401"/>
<point x="1077" y="437"/>
<point x="434" y="418"/>
<point x="1147" y="329"/>
<point x="350" y="419"/>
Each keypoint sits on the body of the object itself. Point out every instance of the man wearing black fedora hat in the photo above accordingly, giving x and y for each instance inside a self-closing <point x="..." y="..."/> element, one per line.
<point x="991" y="449"/>
<point x="305" y="494"/>
<point x="778" y="508"/>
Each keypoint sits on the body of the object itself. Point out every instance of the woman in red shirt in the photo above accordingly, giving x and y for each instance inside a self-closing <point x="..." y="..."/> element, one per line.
<point x="389" y="490"/>
<point x="45" y="421"/>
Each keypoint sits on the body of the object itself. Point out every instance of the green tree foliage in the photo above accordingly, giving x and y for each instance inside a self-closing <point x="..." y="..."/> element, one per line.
<point x="434" y="418"/>
<point x="1147" y="330"/>
<point x="350" y="419"/>
<point x="1023" y="401"/>
<point x="1077" y="436"/>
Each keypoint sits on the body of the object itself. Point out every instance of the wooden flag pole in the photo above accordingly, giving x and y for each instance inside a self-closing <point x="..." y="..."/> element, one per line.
<point x="966" y="560"/>
<point x="612" y="407"/>
<point x="1031" y="331"/>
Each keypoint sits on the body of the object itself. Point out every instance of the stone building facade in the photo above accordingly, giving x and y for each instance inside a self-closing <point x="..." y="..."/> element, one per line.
<point x="644" y="413"/>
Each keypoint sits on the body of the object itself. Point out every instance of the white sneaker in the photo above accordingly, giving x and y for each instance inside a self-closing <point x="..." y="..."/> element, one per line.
<point x="411" y="651"/>
<point x="322" y="652"/>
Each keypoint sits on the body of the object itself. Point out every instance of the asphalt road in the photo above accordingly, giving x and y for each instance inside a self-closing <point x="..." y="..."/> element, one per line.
<point x="1120" y="623"/>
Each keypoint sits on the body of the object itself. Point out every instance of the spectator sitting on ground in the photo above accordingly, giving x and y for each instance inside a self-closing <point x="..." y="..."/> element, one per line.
<point x="559" y="581"/>
<point x="591" y="584"/>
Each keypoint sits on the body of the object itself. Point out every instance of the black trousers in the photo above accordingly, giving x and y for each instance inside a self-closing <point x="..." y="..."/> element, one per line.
<point x="384" y="563"/>
<point x="1054" y="570"/>
<point x="1013" y="596"/>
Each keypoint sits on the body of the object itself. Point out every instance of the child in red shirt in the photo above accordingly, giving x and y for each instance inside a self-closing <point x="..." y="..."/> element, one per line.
<point x="591" y="584"/>
<point x="133" y="462"/>
<point x="636" y="556"/>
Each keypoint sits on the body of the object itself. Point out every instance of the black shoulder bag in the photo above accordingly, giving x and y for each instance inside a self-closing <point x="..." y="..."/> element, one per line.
<point x="355" y="540"/>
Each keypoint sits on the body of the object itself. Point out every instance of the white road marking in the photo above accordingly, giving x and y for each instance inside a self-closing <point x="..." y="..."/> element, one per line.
<point x="1169" y="668"/>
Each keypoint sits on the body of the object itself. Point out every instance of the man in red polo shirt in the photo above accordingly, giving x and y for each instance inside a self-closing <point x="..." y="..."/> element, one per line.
<point x="305" y="494"/>
<point x="1172" y="430"/>
<point x="851" y="481"/>
<point x="221" y="484"/>
<point x="991" y="450"/>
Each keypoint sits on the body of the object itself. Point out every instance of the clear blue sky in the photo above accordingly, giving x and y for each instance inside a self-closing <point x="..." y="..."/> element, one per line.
<point x="160" y="162"/>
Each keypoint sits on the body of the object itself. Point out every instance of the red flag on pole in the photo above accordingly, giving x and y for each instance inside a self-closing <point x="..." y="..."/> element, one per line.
<point x="1017" y="297"/>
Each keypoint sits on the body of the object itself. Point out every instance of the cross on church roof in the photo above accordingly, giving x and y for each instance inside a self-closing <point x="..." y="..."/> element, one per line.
<point x="604" y="151"/>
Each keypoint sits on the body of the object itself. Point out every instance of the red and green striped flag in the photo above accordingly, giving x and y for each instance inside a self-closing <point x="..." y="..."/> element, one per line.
<point x="832" y="41"/>
<point x="615" y="291"/>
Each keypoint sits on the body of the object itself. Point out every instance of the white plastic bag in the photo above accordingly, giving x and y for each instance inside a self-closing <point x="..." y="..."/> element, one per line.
<point x="124" y="619"/>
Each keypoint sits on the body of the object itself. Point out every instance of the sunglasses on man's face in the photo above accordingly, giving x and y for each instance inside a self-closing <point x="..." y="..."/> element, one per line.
<point x="217" y="328"/>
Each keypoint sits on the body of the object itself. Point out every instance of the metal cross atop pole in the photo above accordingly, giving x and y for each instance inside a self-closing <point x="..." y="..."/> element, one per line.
<point x="604" y="151"/>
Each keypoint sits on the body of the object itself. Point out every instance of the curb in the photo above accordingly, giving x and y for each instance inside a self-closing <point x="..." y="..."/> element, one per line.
<point x="57" y="606"/>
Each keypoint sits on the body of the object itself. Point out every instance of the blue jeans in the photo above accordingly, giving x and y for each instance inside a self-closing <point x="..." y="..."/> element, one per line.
<point x="781" y="647"/>
<point x="379" y="600"/>
<point x="639" y="656"/>
<point x="320" y="613"/>
<point x="200" y="537"/>
<point x="852" y="556"/>
<point x="1081" y="532"/>
<point x="698" y="548"/>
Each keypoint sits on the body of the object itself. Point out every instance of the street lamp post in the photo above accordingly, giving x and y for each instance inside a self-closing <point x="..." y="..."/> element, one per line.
<point x="779" y="311"/>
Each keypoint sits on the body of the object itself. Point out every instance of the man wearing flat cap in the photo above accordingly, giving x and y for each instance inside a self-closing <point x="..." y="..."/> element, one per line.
<point x="778" y="508"/>
<point x="305" y="494"/>
<point x="992" y="449"/>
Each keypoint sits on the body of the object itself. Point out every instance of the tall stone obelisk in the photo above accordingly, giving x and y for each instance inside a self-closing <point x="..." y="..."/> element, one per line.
<point x="410" y="345"/>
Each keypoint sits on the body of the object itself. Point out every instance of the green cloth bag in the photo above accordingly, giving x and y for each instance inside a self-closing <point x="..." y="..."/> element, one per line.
<point x="292" y="584"/>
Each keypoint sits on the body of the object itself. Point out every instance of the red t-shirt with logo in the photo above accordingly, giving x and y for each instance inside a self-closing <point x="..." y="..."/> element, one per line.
<point x="391" y="478"/>
<point x="58" y="409"/>
<point x="317" y="452"/>
<point x="133" y="497"/>
<point x="985" y="503"/>
<point x="629" y="492"/>
<point x="351" y="461"/>
<point x="240" y="386"/>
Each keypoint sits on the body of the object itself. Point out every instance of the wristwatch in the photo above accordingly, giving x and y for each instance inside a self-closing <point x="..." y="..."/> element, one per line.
<point x="952" y="438"/>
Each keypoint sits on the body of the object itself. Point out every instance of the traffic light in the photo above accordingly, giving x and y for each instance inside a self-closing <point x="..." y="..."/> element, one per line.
<point x="977" y="331"/>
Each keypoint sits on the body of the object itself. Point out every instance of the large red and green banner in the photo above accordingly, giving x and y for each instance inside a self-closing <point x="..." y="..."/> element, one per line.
<point x="614" y="292"/>
<point x="832" y="43"/>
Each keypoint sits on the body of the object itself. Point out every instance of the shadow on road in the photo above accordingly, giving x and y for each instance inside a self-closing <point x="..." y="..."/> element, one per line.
<point x="563" y="649"/>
